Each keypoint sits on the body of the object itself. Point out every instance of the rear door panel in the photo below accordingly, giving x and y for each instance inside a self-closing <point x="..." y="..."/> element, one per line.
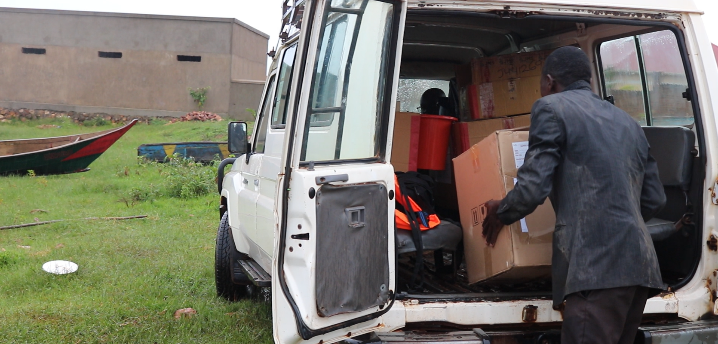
<point x="334" y="255"/>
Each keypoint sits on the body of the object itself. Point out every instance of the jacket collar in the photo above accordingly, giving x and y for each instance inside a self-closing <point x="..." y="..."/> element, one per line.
<point x="578" y="85"/>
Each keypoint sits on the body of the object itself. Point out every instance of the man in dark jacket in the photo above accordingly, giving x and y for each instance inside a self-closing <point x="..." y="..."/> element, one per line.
<point x="592" y="159"/>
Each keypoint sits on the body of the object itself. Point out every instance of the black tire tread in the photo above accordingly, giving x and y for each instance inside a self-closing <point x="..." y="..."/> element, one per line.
<point x="224" y="251"/>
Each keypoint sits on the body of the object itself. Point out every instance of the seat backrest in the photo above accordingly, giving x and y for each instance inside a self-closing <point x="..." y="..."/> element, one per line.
<point x="672" y="148"/>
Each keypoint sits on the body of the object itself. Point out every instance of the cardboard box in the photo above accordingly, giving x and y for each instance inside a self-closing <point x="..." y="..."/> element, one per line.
<point x="405" y="144"/>
<point x="503" y="98"/>
<point x="523" y="250"/>
<point x="465" y="109"/>
<point x="489" y="69"/>
<point x="467" y="134"/>
<point x="505" y="67"/>
<point x="506" y="85"/>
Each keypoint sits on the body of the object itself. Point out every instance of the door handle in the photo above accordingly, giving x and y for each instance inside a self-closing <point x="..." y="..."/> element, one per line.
<point x="330" y="179"/>
<point x="245" y="181"/>
<point x="256" y="182"/>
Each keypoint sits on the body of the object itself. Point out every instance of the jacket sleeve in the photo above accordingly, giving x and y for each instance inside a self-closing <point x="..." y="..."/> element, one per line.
<point x="535" y="176"/>
<point x="653" y="198"/>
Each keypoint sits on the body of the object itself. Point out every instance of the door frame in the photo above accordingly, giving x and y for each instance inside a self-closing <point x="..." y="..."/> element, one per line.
<point x="291" y="160"/>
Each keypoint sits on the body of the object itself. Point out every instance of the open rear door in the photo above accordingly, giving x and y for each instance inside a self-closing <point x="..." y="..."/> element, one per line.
<point x="333" y="275"/>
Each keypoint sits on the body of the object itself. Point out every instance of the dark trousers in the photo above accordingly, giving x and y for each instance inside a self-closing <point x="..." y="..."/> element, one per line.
<point x="606" y="316"/>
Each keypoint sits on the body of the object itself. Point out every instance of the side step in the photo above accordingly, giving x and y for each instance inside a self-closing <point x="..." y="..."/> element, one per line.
<point x="254" y="272"/>
<point x="477" y="336"/>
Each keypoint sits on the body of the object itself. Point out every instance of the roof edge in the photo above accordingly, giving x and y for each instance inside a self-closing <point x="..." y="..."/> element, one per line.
<point x="133" y="15"/>
<point x="675" y="6"/>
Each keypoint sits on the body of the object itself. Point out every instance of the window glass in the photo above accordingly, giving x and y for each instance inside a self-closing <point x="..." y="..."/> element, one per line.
<point x="645" y="76"/>
<point x="260" y="131"/>
<point x="349" y="83"/>
<point x="410" y="91"/>
<point x="279" y="113"/>
<point x="666" y="79"/>
<point x="622" y="78"/>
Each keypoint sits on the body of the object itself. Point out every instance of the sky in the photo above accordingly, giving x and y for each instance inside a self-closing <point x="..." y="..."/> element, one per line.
<point x="264" y="15"/>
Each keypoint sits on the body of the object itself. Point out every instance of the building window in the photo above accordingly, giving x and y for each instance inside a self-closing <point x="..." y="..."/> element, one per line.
<point x="37" y="51"/>
<point x="189" y="58"/>
<point x="110" y="54"/>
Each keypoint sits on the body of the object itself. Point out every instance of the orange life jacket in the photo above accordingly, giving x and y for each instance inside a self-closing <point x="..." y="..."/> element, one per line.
<point x="402" y="220"/>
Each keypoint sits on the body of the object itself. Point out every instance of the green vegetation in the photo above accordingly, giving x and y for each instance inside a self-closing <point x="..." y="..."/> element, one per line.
<point x="134" y="274"/>
<point x="199" y="95"/>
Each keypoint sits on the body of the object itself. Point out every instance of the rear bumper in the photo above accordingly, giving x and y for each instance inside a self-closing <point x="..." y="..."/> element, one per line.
<point x="697" y="332"/>
<point x="702" y="331"/>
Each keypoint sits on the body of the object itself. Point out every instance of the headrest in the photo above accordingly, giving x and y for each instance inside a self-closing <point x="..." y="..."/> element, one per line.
<point x="672" y="148"/>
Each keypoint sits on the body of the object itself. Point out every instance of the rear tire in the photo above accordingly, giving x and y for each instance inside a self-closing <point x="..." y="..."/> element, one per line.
<point x="225" y="253"/>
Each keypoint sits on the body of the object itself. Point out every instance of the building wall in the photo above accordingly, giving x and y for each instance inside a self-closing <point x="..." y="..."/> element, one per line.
<point x="147" y="80"/>
<point x="244" y="100"/>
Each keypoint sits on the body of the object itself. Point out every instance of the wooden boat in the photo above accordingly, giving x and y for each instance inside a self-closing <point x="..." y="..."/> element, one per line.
<point x="198" y="151"/>
<point x="57" y="155"/>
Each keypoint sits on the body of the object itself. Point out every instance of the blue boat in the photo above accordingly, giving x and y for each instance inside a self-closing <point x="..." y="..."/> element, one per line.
<point x="203" y="152"/>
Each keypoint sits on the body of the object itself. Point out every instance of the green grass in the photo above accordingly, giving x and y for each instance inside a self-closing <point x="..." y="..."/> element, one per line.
<point x="132" y="274"/>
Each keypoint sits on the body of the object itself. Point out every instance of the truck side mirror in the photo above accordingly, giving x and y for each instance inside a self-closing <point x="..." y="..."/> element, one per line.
<point x="237" y="138"/>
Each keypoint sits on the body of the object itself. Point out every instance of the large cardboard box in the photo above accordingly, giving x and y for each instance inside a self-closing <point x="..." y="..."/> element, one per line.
<point x="505" y="85"/>
<point x="505" y="67"/>
<point x="405" y="144"/>
<point x="523" y="250"/>
<point x="508" y="97"/>
<point x="502" y="98"/>
<point x="467" y="134"/>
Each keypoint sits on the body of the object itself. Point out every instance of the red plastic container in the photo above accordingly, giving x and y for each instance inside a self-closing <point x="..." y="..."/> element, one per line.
<point x="434" y="141"/>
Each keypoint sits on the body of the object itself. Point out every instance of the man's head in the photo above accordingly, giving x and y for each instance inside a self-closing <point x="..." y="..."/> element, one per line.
<point x="430" y="102"/>
<point x="563" y="67"/>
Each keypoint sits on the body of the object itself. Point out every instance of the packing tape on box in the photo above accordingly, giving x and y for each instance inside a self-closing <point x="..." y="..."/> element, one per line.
<point x="475" y="159"/>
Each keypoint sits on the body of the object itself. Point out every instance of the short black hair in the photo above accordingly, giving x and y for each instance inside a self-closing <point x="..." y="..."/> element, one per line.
<point x="568" y="65"/>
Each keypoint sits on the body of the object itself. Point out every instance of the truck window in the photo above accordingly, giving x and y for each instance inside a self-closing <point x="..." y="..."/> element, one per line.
<point x="410" y="91"/>
<point x="645" y="76"/>
<point x="260" y="133"/>
<point x="279" y="113"/>
<point x="349" y="83"/>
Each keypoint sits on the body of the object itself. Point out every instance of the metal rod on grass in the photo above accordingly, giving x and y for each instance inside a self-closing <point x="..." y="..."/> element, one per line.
<point x="86" y="218"/>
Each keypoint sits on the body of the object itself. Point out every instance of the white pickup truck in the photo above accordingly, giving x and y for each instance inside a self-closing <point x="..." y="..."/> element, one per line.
<point x="308" y="205"/>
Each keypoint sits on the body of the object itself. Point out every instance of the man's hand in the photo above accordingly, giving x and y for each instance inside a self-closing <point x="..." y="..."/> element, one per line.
<point x="492" y="225"/>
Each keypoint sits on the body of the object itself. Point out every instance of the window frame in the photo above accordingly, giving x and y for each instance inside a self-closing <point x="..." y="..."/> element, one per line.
<point x="383" y="114"/>
<point x="268" y="96"/>
<point x="283" y="125"/>
<point x="688" y="73"/>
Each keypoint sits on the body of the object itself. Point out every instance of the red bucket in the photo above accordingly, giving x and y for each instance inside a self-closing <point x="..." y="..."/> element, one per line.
<point x="434" y="141"/>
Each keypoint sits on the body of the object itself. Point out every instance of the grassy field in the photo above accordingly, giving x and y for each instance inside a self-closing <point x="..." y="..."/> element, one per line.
<point x="134" y="274"/>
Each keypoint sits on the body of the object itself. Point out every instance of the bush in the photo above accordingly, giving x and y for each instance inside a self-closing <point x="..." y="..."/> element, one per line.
<point x="182" y="178"/>
<point x="8" y="258"/>
<point x="188" y="179"/>
<point x="96" y="121"/>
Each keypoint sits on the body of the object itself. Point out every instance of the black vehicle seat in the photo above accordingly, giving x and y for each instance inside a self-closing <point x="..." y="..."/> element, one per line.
<point x="446" y="236"/>
<point x="673" y="150"/>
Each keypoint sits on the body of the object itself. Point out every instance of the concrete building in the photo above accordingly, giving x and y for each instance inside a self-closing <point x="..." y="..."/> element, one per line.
<point x="129" y="64"/>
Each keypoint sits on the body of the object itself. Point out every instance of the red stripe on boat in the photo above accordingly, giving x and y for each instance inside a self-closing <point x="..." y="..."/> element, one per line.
<point x="100" y="145"/>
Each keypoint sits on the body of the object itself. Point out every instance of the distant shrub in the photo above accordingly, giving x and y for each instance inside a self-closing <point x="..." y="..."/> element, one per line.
<point x="183" y="178"/>
<point x="8" y="258"/>
<point x="188" y="179"/>
<point x="96" y="121"/>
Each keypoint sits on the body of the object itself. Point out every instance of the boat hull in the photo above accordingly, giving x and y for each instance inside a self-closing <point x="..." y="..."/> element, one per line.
<point x="67" y="158"/>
